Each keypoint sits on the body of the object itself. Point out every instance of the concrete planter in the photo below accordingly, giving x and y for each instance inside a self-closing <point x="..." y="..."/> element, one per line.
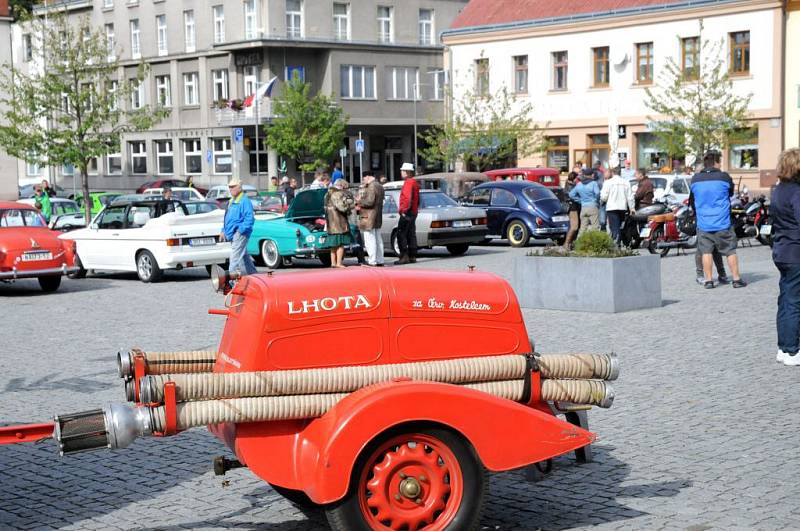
<point x="607" y="285"/>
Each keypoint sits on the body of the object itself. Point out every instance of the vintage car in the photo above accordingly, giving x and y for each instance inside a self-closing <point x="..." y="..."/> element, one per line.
<point x="149" y="236"/>
<point x="65" y="213"/>
<point x="172" y="183"/>
<point x="440" y="221"/>
<point x="28" y="249"/>
<point x="300" y="233"/>
<point x="517" y="210"/>
<point x="27" y="191"/>
<point x="455" y="184"/>
<point x="181" y="194"/>
<point x="546" y="176"/>
<point x="98" y="201"/>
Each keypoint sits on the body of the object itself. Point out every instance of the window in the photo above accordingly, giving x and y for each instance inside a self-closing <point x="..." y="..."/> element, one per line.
<point x="222" y="155"/>
<point x="649" y="155"/>
<point x="114" y="162"/>
<point x="600" y="66"/>
<point x="220" y="80"/>
<point x="744" y="156"/>
<point x="436" y="87"/>
<point x="401" y="82"/>
<point x="188" y="31"/>
<point x="357" y="82"/>
<point x="112" y="91"/>
<point x="521" y="74"/>
<point x="250" y="79"/>
<point x="250" y="19"/>
<point x="503" y="198"/>
<point x="190" y="96"/>
<point x="292" y="71"/>
<point x="341" y="22"/>
<point x="164" y="160"/>
<point x="92" y="169"/>
<point x="137" y="93"/>
<point x="258" y="166"/>
<point x="163" y="91"/>
<point x="690" y="51"/>
<point x="480" y="197"/>
<point x="294" y="19"/>
<point x="644" y="63"/>
<point x="192" y="157"/>
<point x="108" y="3"/>
<point x="113" y="217"/>
<point x="161" y="34"/>
<point x="385" y="24"/>
<point x="136" y="50"/>
<point x="598" y="149"/>
<point x="32" y="169"/>
<point x="138" y="152"/>
<point x="558" y="153"/>
<point x="219" y="24"/>
<point x="110" y="42"/>
<point x="426" y="26"/>
<point x="27" y="47"/>
<point x="740" y="53"/>
<point x="482" y="77"/>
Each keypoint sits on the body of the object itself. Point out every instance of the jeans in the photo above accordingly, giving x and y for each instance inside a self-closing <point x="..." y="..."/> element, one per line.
<point x="240" y="260"/>
<point x="718" y="261"/>
<point x="615" y="218"/>
<point x="588" y="218"/>
<point x="602" y="217"/>
<point x="373" y="244"/>
<point x="788" y="318"/>
<point x="407" y="234"/>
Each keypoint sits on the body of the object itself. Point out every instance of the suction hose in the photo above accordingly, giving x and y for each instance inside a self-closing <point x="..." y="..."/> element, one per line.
<point x="579" y="366"/>
<point x="189" y="361"/>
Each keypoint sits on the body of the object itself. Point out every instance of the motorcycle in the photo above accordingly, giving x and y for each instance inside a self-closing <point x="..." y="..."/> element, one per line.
<point x="631" y="230"/>
<point x="759" y="222"/>
<point x="675" y="228"/>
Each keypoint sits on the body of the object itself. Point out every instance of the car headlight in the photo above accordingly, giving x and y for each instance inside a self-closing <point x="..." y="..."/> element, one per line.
<point x="310" y="238"/>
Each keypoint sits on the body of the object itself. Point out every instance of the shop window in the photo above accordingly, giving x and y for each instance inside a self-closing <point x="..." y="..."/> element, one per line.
<point x="649" y="155"/>
<point x="598" y="149"/>
<point x="744" y="155"/>
<point x="558" y="153"/>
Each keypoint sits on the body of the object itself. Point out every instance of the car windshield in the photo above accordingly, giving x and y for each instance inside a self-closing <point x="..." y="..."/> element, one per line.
<point x="435" y="200"/>
<point x="200" y="207"/>
<point x="18" y="217"/>
<point x="680" y="186"/>
<point x="65" y="207"/>
<point x="659" y="183"/>
<point x="538" y="193"/>
<point x="107" y="199"/>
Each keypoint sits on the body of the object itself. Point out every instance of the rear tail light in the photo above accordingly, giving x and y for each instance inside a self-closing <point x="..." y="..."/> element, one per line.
<point x="173" y="242"/>
<point x="479" y="221"/>
<point x="439" y="224"/>
<point x="539" y="222"/>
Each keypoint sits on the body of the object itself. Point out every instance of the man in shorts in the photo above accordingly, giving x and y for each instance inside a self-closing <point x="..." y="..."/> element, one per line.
<point x="711" y="190"/>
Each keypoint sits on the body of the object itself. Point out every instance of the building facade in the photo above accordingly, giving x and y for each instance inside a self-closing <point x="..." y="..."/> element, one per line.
<point x="792" y="76"/>
<point x="8" y="164"/>
<point x="586" y="66"/>
<point x="370" y="55"/>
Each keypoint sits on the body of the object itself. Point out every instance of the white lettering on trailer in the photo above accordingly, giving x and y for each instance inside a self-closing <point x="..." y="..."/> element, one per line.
<point x="329" y="304"/>
<point x="228" y="359"/>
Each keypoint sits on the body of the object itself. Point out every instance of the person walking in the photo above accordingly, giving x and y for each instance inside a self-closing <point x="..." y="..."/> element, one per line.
<point x="408" y="208"/>
<point x="645" y="192"/>
<point x="574" y="209"/>
<point x="587" y="193"/>
<point x="237" y="227"/>
<point x="337" y="172"/>
<point x="628" y="173"/>
<point x="617" y="197"/>
<point x="43" y="198"/>
<point x="710" y="194"/>
<point x="600" y="174"/>
<point x="287" y="191"/>
<point x="338" y="205"/>
<point x="370" y="219"/>
<point x="785" y="211"/>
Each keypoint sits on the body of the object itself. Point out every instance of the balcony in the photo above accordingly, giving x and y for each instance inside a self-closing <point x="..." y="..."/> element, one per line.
<point x="246" y="116"/>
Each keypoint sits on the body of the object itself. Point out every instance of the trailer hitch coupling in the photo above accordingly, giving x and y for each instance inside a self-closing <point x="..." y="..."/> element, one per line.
<point x="113" y="427"/>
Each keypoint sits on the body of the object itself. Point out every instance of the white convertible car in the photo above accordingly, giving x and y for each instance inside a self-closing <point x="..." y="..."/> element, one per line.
<point x="149" y="236"/>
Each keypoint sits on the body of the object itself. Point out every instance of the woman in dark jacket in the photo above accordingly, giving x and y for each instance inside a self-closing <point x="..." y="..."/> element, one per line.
<point x="338" y="205"/>
<point x="574" y="210"/>
<point x="785" y="211"/>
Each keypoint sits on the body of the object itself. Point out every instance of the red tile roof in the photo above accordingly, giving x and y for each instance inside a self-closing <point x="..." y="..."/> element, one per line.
<point x="4" y="12"/>
<point x="492" y="12"/>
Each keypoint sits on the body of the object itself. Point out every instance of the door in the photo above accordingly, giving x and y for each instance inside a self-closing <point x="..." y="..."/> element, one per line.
<point x="390" y="219"/>
<point x="98" y="246"/>
<point x="394" y="159"/>
<point x="481" y="198"/>
<point x="502" y="204"/>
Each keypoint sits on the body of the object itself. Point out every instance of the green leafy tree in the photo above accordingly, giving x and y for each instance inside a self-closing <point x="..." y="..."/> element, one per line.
<point x="484" y="131"/>
<point x="78" y="108"/>
<point x="20" y="8"/>
<point x="306" y="127"/>
<point x="696" y="109"/>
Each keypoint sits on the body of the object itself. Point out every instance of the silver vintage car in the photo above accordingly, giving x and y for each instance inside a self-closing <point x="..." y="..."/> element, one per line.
<point x="440" y="222"/>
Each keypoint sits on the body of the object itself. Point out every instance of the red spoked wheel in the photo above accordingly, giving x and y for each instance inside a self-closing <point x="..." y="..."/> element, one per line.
<point x="429" y="479"/>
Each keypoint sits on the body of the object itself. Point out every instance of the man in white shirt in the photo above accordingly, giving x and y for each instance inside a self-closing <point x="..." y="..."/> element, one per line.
<point x="628" y="172"/>
<point x="618" y="198"/>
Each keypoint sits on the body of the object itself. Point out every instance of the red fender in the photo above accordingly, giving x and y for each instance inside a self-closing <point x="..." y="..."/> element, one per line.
<point x="505" y="434"/>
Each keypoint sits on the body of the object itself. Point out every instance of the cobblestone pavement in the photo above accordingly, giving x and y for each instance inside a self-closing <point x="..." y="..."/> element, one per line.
<point x="702" y="434"/>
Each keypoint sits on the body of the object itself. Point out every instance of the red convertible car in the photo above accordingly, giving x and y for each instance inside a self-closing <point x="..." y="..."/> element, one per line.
<point x="28" y="249"/>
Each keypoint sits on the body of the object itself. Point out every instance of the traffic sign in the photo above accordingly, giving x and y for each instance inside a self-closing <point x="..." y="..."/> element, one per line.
<point x="360" y="145"/>
<point x="238" y="134"/>
<point x="208" y="155"/>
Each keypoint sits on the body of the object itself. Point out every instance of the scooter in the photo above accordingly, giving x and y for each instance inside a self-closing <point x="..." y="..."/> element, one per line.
<point x="671" y="230"/>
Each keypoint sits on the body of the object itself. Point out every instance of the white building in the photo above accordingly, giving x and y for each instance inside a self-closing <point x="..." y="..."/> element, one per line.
<point x="8" y="164"/>
<point x="587" y="66"/>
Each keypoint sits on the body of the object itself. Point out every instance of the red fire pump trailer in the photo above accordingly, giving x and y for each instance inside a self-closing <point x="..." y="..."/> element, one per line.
<point x="382" y="396"/>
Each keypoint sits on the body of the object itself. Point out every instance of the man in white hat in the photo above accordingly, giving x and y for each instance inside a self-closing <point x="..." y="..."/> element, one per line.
<point x="408" y="207"/>
<point x="287" y="191"/>
<point x="238" y="226"/>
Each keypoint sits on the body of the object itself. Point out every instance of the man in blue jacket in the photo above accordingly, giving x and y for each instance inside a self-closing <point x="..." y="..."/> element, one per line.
<point x="710" y="195"/>
<point x="238" y="226"/>
<point x="587" y="193"/>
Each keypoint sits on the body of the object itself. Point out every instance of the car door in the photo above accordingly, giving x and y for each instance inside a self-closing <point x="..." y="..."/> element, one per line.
<point x="390" y="219"/>
<point x="503" y="203"/>
<point x="481" y="198"/>
<point x="98" y="245"/>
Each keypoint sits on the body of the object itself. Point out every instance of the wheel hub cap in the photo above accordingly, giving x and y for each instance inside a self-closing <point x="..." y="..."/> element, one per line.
<point x="410" y="488"/>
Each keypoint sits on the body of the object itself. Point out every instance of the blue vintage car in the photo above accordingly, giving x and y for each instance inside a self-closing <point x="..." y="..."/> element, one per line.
<point x="519" y="210"/>
<point x="300" y="233"/>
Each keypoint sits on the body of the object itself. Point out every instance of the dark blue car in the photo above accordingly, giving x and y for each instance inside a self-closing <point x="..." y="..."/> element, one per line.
<point x="517" y="210"/>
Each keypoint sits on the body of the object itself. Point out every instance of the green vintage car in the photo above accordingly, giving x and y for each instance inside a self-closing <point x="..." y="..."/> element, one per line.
<point x="99" y="200"/>
<point x="300" y="233"/>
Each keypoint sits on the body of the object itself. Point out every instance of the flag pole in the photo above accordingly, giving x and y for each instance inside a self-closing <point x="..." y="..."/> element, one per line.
<point x="258" y="166"/>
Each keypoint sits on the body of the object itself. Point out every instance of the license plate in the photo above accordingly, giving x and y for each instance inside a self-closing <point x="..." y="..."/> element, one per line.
<point x="33" y="256"/>
<point x="462" y="223"/>
<point x="201" y="242"/>
<point x="557" y="219"/>
<point x="765" y="230"/>
<point x="645" y="232"/>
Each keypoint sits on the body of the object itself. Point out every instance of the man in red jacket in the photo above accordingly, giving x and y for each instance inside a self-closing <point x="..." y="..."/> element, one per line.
<point x="406" y="226"/>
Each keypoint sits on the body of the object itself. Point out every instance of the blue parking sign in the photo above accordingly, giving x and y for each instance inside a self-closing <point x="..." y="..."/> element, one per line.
<point x="238" y="134"/>
<point x="208" y="155"/>
<point x="359" y="145"/>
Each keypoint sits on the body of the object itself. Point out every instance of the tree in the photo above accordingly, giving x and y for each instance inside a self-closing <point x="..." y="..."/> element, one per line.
<point x="306" y="128"/>
<point x="485" y="130"/>
<point x="71" y="112"/>
<point x="20" y="8"/>
<point x="697" y="109"/>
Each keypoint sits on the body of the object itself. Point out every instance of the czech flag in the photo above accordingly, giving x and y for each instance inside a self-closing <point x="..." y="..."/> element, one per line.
<point x="264" y="91"/>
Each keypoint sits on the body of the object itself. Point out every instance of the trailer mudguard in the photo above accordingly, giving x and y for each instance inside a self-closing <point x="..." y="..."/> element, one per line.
<point x="505" y="434"/>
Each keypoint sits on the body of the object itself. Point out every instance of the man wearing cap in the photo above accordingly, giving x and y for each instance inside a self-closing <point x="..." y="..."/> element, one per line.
<point x="238" y="226"/>
<point x="287" y="191"/>
<point x="406" y="225"/>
